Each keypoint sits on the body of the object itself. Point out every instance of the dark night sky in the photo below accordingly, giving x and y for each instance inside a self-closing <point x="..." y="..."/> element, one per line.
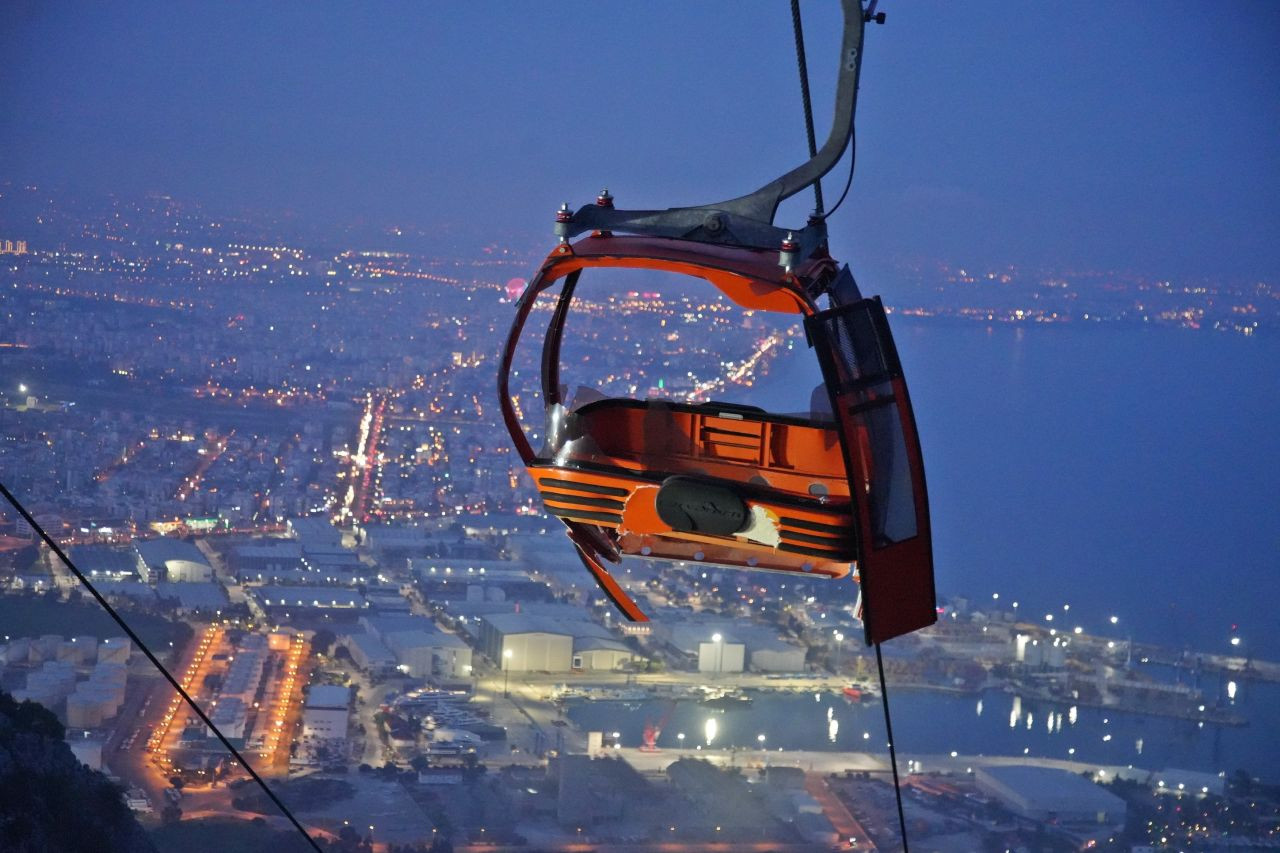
<point x="1131" y="134"/>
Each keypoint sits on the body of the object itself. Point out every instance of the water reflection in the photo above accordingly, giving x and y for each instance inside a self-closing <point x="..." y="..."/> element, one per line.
<point x="838" y="725"/>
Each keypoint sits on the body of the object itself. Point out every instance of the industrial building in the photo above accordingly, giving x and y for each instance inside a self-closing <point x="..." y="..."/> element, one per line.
<point x="595" y="654"/>
<point x="171" y="559"/>
<point x="265" y="558"/>
<point x="325" y="714"/>
<point x="334" y="563"/>
<point x="229" y="715"/>
<point x="193" y="597"/>
<point x="725" y="645"/>
<point x="395" y="544"/>
<point x="314" y="530"/>
<point x="549" y="638"/>
<point x="310" y="597"/>
<point x="523" y="642"/>
<point x="130" y="591"/>
<point x="1042" y="793"/>
<point x="244" y="673"/>
<point x="384" y="601"/>
<point x="370" y="654"/>
<point x="418" y="647"/>
<point x="1040" y="652"/>
<point x="424" y="655"/>
<point x="104" y="561"/>
<point x="721" y="654"/>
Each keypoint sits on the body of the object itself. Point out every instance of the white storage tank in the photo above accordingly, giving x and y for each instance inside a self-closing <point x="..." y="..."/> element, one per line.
<point x="84" y="711"/>
<point x="115" y="650"/>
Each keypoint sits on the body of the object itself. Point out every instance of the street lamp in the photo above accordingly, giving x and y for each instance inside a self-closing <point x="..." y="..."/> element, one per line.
<point x="839" y="642"/>
<point x="719" y="641"/>
<point x="506" y="670"/>
<point x="680" y="737"/>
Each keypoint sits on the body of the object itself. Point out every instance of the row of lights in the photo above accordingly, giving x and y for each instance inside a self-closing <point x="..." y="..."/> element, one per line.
<point x="282" y="709"/>
<point x="211" y="635"/>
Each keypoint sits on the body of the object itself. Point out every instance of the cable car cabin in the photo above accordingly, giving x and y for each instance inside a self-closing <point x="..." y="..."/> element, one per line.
<point x="835" y="492"/>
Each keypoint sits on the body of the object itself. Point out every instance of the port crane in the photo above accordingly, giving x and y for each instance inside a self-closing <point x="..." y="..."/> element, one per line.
<point x="653" y="729"/>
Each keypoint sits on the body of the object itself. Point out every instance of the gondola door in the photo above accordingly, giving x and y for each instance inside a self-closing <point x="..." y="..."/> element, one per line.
<point x="885" y="466"/>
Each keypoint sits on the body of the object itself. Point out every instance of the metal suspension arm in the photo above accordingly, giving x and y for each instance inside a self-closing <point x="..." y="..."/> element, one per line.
<point x="748" y="220"/>
<point x="763" y="203"/>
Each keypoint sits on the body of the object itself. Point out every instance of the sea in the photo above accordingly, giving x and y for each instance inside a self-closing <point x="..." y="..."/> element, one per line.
<point x="1085" y="472"/>
<point x="1124" y="472"/>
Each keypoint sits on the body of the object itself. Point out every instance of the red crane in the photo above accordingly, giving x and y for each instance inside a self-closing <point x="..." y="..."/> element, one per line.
<point x="652" y="730"/>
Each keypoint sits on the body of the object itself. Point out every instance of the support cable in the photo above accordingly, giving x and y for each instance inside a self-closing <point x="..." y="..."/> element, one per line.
<point x="893" y="755"/>
<point x="853" y="154"/>
<point x="48" y="540"/>
<point x="803" y="64"/>
<point x="798" y="28"/>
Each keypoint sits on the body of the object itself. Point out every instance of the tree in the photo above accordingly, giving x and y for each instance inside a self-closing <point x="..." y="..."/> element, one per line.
<point x="472" y="769"/>
<point x="25" y="558"/>
<point x="322" y="641"/>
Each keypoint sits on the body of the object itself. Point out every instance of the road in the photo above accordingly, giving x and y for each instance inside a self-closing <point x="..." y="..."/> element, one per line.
<point x="844" y="822"/>
<point x="131" y="765"/>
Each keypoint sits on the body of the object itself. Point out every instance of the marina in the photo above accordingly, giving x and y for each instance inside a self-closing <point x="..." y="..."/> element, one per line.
<point x="990" y="723"/>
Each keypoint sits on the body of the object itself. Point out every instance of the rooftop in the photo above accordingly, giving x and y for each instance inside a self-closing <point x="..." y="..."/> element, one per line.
<point x="157" y="552"/>
<point x="328" y="696"/>
<point x="310" y="596"/>
<point x="1053" y="789"/>
<point x="194" y="596"/>
<point x="103" y="559"/>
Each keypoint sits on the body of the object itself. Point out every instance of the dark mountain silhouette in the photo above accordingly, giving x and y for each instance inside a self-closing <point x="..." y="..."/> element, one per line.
<point x="49" y="801"/>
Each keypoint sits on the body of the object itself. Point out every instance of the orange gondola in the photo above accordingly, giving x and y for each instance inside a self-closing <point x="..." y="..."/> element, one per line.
<point x="836" y="492"/>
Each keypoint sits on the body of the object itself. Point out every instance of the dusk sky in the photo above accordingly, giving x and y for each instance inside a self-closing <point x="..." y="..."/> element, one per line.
<point x="1131" y="135"/>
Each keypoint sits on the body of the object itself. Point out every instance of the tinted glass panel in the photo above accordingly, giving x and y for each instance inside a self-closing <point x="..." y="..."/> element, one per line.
<point x="867" y="363"/>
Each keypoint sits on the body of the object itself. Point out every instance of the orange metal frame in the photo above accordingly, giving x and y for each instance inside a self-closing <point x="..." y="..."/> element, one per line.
<point x="792" y="474"/>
